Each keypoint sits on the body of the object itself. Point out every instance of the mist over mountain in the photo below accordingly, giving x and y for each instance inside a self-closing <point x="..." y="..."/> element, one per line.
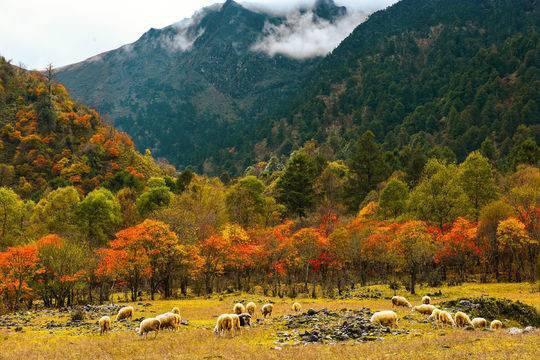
<point x="191" y="91"/>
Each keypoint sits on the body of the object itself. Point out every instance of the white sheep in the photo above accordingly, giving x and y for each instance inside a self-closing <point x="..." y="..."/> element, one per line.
<point x="462" y="320"/>
<point x="239" y="308"/>
<point x="426" y="300"/>
<point x="267" y="309"/>
<point x="125" y="313"/>
<point x="175" y="310"/>
<point x="169" y="321"/>
<point x="250" y="308"/>
<point x="236" y="328"/>
<point x="296" y="307"/>
<point x="224" y="325"/>
<point x="385" y="318"/>
<point x="496" y="325"/>
<point x="400" y="301"/>
<point x="434" y="315"/>
<point x="104" y="324"/>
<point x="149" y="325"/>
<point x="425" y="309"/>
<point x="479" y="323"/>
<point x="445" y="318"/>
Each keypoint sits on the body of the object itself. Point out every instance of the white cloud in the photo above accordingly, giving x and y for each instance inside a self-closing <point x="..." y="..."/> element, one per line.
<point x="302" y="36"/>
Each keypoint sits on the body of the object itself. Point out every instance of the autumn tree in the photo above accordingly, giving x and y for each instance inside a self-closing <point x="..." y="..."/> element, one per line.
<point x="459" y="247"/>
<point x="513" y="237"/>
<point x="198" y="212"/>
<point x="63" y="266"/>
<point x="214" y="254"/>
<point x="149" y="250"/>
<point x="490" y="217"/>
<point x="414" y="245"/>
<point x="18" y="265"/>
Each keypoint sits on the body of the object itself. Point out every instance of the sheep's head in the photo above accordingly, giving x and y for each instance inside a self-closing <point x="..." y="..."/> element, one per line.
<point x="245" y="319"/>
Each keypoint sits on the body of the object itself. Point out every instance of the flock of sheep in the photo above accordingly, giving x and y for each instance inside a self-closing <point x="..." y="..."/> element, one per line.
<point x="438" y="316"/>
<point x="231" y="324"/>
<point x="226" y="323"/>
<point x="241" y="316"/>
<point x="168" y="320"/>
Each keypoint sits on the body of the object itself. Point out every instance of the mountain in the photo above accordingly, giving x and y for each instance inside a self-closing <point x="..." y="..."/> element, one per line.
<point x="193" y="91"/>
<point x="48" y="140"/>
<point x="459" y="74"/>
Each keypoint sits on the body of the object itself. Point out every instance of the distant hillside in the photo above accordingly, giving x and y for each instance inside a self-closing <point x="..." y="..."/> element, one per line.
<point x="456" y="73"/>
<point x="48" y="140"/>
<point x="193" y="91"/>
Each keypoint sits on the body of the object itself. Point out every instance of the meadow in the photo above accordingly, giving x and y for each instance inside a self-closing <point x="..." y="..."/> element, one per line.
<point x="197" y="341"/>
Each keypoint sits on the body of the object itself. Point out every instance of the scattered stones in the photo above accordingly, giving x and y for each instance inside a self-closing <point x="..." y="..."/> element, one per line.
<point x="515" y="331"/>
<point x="326" y="326"/>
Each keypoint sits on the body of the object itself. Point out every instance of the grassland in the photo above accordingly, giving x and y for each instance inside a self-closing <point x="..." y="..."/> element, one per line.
<point x="196" y="341"/>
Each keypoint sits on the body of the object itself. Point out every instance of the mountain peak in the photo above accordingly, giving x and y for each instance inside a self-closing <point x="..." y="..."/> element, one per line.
<point x="327" y="9"/>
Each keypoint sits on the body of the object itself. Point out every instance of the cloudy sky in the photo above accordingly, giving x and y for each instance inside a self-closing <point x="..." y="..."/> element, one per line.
<point x="61" y="32"/>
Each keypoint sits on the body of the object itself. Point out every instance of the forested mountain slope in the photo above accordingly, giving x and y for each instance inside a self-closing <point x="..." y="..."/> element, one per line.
<point x="459" y="73"/>
<point x="48" y="140"/>
<point x="192" y="91"/>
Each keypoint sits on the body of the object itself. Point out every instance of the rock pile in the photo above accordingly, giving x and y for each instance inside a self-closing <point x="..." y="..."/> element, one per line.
<point x="493" y="308"/>
<point x="329" y="326"/>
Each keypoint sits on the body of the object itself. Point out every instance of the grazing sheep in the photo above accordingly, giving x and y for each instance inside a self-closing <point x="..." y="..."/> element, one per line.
<point x="125" y="313"/>
<point x="169" y="321"/>
<point x="104" y="325"/>
<point x="175" y="310"/>
<point x="239" y="308"/>
<point x="445" y="318"/>
<point x="245" y="319"/>
<point x="400" y="301"/>
<point x="148" y="325"/>
<point x="462" y="319"/>
<point x="496" y="325"/>
<point x="250" y="308"/>
<point x="296" y="307"/>
<point x="236" y="328"/>
<point x="385" y="318"/>
<point x="479" y="323"/>
<point x="434" y="315"/>
<point x="425" y="309"/>
<point x="267" y="309"/>
<point x="426" y="300"/>
<point x="224" y="324"/>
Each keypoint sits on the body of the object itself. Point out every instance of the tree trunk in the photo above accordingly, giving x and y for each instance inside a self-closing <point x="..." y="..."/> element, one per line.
<point x="413" y="282"/>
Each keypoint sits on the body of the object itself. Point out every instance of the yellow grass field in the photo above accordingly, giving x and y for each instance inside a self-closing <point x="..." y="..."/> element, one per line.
<point x="196" y="340"/>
